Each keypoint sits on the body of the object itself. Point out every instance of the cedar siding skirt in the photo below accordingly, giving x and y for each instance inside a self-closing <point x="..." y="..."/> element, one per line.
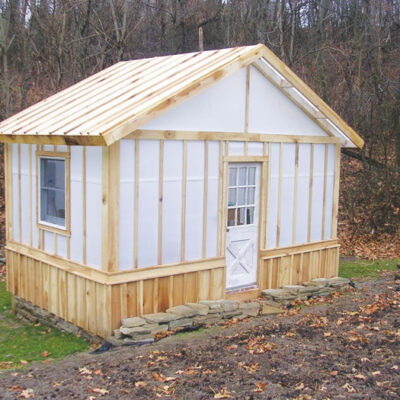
<point x="96" y="300"/>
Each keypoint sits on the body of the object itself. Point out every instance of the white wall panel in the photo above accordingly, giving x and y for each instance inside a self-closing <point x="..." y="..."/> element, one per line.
<point x="93" y="205"/>
<point x="127" y="201"/>
<point x="76" y="243"/>
<point x="212" y="199"/>
<point x="317" y="192"/>
<point x="194" y="200"/>
<point x="172" y="201"/>
<point x="303" y="185"/>
<point x="15" y="191"/>
<point x="270" y="111"/>
<point x="25" y="225"/>
<point x="236" y="148"/>
<point x="62" y="246"/>
<point x="220" y="108"/>
<point x="288" y="173"/>
<point x="149" y="152"/>
<point x="48" y="242"/>
<point x="329" y="191"/>
<point x="272" y="217"/>
<point x="255" y="148"/>
<point x="35" y="230"/>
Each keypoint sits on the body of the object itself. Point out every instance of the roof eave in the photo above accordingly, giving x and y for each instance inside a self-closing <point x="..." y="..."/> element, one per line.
<point x="57" y="140"/>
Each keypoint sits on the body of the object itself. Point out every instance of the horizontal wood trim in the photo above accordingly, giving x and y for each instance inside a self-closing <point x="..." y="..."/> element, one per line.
<point x="115" y="278"/>
<point x="289" y="250"/>
<point x="53" y="229"/>
<point x="55" y="154"/>
<point x="75" y="268"/>
<point x="58" y="140"/>
<point x="161" y="271"/>
<point x="232" y="136"/>
<point x="245" y="159"/>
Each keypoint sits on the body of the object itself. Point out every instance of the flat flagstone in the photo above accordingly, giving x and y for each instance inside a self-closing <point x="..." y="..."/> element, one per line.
<point x="202" y="309"/>
<point x="161" y="318"/>
<point x="133" y="322"/>
<point x="184" y="311"/>
<point x="266" y="309"/>
<point x="228" y="305"/>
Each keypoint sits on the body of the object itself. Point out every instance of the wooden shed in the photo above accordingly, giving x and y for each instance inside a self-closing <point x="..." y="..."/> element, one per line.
<point x="161" y="181"/>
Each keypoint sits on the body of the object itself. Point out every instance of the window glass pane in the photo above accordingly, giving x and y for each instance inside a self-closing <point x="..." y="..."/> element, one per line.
<point x="52" y="191"/>
<point x="240" y="216"/>
<point x="242" y="176"/>
<point x="231" y="197"/>
<point x="232" y="176"/>
<point x="249" y="215"/>
<point x="252" y="176"/>
<point x="241" y="196"/>
<point x="250" y="195"/>
<point x="53" y="173"/>
<point x="231" y="216"/>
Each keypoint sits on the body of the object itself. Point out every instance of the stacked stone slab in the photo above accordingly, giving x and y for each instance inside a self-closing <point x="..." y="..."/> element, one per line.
<point x="190" y="316"/>
<point x="316" y="288"/>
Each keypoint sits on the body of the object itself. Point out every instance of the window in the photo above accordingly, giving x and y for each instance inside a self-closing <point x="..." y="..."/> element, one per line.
<point x="53" y="191"/>
<point x="241" y="195"/>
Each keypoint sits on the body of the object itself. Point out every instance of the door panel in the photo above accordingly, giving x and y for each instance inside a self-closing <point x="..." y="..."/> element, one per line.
<point x="242" y="224"/>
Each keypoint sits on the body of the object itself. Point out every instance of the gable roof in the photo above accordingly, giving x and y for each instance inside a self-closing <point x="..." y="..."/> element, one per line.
<point x="115" y="102"/>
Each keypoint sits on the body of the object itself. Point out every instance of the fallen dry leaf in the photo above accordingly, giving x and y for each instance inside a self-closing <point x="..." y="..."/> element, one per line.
<point x="27" y="394"/>
<point x="260" y="387"/>
<point x="360" y="376"/>
<point x="224" y="394"/>
<point x="349" y="388"/>
<point x="140" y="384"/>
<point x="99" y="391"/>
<point x="85" y="371"/>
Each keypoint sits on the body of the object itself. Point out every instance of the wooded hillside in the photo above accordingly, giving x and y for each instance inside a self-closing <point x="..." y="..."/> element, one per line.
<point x="348" y="51"/>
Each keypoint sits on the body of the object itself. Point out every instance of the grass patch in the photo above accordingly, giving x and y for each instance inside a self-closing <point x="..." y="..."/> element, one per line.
<point x="365" y="268"/>
<point x="27" y="342"/>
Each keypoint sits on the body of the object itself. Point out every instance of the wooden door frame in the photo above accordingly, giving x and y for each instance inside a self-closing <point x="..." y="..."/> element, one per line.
<point x="262" y="216"/>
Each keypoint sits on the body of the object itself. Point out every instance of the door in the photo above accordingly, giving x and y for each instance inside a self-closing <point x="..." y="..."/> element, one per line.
<point x="242" y="224"/>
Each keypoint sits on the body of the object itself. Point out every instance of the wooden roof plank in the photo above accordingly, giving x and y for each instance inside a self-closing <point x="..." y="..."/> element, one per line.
<point x="71" y="110"/>
<point x="61" y="106"/>
<point x="43" y="104"/>
<point x="108" y="106"/>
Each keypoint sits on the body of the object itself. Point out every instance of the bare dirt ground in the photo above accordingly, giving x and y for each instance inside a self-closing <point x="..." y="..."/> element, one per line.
<point x="344" y="347"/>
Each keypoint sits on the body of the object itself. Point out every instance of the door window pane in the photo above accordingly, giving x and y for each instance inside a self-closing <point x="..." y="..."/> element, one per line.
<point x="250" y="195"/>
<point x="241" y="216"/>
<point x="231" y="197"/>
<point x="252" y="176"/>
<point x="241" y="196"/>
<point x="242" y="176"/>
<point x="232" y="176"/>
<point x="52" y="191"/>
<point x="231" y="216"/>
<point x="249" y="215"/>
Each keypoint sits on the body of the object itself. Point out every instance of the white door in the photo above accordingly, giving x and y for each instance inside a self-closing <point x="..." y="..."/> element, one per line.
<point x="242" y="224"/>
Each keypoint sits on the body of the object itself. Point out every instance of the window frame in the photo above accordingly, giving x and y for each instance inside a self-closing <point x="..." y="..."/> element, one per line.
<point x="44" y="225"/>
